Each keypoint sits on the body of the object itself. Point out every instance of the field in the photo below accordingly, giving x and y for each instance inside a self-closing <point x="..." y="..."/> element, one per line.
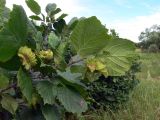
<point x="144" y="102"/>
<point x="150" y="67"/>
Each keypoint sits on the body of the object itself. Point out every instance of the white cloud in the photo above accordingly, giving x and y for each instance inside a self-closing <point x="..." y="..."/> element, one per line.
<point x="123" y="3"/>
<point x="72" y="7"/>
<point x="132" y="28"/>
<point x="151" y="8"/>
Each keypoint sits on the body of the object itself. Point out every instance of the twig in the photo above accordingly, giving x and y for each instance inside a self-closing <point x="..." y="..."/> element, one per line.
<point x="73" y="62"/>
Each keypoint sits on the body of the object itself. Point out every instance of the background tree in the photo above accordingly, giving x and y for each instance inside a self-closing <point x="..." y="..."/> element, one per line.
<point x="114" y="34"/>
<point x="149" y="37"/>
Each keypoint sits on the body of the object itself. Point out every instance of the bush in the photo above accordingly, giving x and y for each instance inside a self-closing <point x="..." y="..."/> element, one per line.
<point x="153" y="48"/>
<point x="111" y="92"/>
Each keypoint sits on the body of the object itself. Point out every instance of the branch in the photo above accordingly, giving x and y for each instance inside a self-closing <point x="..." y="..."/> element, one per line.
<point x="73" y="62"/>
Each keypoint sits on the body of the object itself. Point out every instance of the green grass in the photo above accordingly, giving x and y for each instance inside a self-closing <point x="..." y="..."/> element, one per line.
<point x="144" y="103"/>
<point x="150" y="66"/>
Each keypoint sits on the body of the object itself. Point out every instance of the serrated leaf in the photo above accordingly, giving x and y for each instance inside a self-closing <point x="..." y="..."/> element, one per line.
<point x="89" y="37"/>
<point x="118" y="56"/>
<point x="9" y="103"/>
<point x="71" y="100"/>
<point x="53" y="40"/>
<point x="25" y="84"/>
<point x="73" y="80"/>
<point x="72" y="23"/>
<point x="72" y="77"/>
<point x="18" y="23"/>
<point x="47" y="91"/>
<point x="14" y="33"/>
<point x="34" y="6"/>
<point x="78" y="69"/>
<point x="51" y="112"/>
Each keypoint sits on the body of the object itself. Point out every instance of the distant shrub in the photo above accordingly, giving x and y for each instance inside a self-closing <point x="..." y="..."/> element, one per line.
<point x="153" y="48"/>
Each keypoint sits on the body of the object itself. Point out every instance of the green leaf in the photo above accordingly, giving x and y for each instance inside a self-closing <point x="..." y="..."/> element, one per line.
<point x="12" y="64"/>
<point x="34" y="6"/>
<point x="9" y="103"/>
<point x="4" y="79"/>
<point x="35" y="17"/>
<point x="55" y="12"/>
<point x="62" y="16"/>
<point x="31" y="28"/>
<point x="47" y="91"/>
<point x="67" y="97"/>
<point x="118" y="56"/>
<point x="18" y="23"/>
<point x="39" y="40"/>
<point x="59" y="26"/>
<point x="50" y="7"/>
<point x="53" y="40"/>
<point x="72" y="23"/>
<point x="9" y="45"/>
<point x="14" y="34"/>
<point x="59" y="61"/>
<point x="71" y="100"/>
<point x="78" y="69"/>
<point x="51" y="112"/>
<point x="89" y="37"/>
<point x="4" y="16"/>
<point x="71" y="77"/>
<point x="2" y="5"/>
<point x="25" y="84"/>
<point x="73" y="80"/>
<point x="92" y="76"/>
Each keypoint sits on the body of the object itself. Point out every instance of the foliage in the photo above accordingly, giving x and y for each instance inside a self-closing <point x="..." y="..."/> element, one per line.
<point x="113" y="91"/>
<point x="153" y="48"/>
<point x="4" y="13"/>
<point x="143" y="105"/>
<point x="114" y="34"/>
<point x="43" y="61"/>
<point x="150" y="36"/>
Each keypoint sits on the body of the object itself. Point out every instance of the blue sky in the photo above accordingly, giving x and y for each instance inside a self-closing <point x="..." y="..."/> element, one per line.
<point x="127" y="17"/>
<point x="120" y="9"/>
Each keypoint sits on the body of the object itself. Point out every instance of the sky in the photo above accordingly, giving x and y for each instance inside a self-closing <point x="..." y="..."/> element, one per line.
<point x="128" y="17"/>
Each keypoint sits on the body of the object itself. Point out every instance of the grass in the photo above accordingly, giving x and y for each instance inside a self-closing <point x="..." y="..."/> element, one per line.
<point x="150" y="66"/>
<point x="145" y="99"/>
<point x="144" y="105"/>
